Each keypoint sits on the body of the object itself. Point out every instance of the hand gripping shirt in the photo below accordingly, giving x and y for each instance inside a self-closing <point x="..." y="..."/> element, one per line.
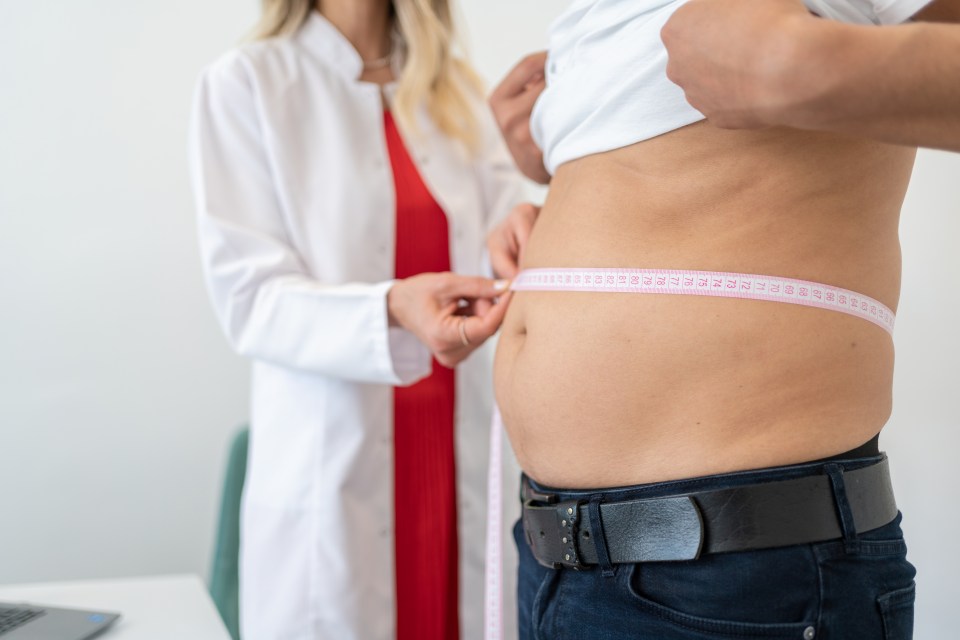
<point x="607" y="85"/>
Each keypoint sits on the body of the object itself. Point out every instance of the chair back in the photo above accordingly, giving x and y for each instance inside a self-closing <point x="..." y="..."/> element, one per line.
<point x="225" y="574"/>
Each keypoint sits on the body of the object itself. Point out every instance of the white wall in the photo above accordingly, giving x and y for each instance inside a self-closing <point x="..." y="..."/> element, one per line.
<point x="923" y="435"/>
<point x="117" y="393"/>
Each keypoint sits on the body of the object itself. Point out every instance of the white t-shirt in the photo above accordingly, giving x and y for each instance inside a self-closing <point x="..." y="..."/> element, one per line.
<point x="607" y="85"/>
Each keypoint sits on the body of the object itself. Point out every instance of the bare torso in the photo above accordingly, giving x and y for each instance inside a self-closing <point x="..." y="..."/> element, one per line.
<point x="606" y="389"/>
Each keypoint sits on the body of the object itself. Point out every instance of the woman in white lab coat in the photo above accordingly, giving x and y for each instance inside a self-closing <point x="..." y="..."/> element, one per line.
<point x="297" y="142"/>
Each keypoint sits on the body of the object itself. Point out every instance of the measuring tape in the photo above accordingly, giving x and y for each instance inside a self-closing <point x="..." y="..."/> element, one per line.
<point x="493" y="570"/>
<point x="708" y="283"/>
<point x="652" y="281"/>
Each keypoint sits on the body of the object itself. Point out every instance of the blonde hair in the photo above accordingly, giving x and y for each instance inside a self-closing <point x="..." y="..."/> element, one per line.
<point x="432" y="76"/>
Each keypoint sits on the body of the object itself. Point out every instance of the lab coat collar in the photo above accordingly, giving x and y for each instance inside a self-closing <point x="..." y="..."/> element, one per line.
<point x="322" y="39"/>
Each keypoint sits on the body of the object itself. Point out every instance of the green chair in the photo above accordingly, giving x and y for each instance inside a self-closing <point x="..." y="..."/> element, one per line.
<point x="224" y="576"/>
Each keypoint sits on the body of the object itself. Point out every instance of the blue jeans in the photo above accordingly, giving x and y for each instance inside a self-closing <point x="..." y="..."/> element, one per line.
<point x="857" y="588"/>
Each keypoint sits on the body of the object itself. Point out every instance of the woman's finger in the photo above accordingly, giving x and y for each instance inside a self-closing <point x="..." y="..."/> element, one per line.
<point x="468" y="307"/>
<point x="523" y="224"/>
<point x="449" y="347"/>
<point x="456" y="286"/>
<point x="479" y="328"/>
<point x="523" y="229"/>
<point x="503" y="254"/>
<point x="509" y="239"/>
<point x="478" y="307"/>
<point x="442" y="337"/>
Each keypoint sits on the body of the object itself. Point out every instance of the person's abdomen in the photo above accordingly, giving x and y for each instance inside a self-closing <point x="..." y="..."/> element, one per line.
<point x="612" y="389"/>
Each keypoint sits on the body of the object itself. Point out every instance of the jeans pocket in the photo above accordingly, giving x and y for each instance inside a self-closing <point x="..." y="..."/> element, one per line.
<point x="713" y="627"/>
<point x="896" y="608"/>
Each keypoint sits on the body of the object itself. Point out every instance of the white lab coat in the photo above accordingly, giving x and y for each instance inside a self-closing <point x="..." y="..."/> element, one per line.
<point x="296" y="223"/>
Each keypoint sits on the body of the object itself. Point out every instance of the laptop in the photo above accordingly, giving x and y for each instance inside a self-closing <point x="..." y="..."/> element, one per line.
<point x="20" y="621"/>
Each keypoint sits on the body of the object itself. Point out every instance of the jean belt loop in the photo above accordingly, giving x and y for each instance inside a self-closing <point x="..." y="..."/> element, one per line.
<point x="599" y="538"/>
<point x="850" y="542"/>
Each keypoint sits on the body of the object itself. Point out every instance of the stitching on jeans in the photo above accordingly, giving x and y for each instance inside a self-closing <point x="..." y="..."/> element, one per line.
<point x="712" y="626"/>
<point x="815" y="557"/>
<point x="539" y="603"/>
<point x="880" y="548"/>
<point x="559" y="609"/>
<point x="725" y="628"/>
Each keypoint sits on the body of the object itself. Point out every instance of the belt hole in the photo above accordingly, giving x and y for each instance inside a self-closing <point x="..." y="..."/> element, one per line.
<point x="542" y="534"/>
<point x="586" y="535"/>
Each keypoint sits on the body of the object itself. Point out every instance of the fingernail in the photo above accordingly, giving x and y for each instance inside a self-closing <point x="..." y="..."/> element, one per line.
<point x="501" y="285"/>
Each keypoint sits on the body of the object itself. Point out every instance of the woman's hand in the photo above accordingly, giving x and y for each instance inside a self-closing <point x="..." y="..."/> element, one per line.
<point x="511" y="103"/>
<point x="451" y="314"/>
<point x="508" y="239"/>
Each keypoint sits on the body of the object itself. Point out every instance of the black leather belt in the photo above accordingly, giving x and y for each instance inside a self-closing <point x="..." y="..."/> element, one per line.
<point x="684" y="527"/>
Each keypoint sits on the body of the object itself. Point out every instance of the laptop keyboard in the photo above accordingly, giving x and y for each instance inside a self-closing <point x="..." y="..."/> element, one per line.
<point x="13" y="617"/>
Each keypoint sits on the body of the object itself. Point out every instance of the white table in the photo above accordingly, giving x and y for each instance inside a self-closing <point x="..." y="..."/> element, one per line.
<point x="174" y="607"/>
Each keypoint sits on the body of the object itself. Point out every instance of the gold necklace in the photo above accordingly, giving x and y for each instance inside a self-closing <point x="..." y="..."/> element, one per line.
<point x="377" y="63"/>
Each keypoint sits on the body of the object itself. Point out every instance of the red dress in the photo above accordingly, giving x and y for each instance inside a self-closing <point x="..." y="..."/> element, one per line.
<point x="425" y="489"/>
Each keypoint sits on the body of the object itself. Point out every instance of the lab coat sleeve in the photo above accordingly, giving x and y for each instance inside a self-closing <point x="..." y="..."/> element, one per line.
<point x="268" y="304"/>
<point x="501" y="182"/>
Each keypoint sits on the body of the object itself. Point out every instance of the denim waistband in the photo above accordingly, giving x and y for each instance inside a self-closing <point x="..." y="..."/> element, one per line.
<point x="705" y="483"/>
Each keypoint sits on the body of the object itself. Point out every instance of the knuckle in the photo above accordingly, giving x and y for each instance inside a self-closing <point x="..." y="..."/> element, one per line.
<point x="513" y="123"/>
<point x="435" y="344"/>
<point x="536" y="58"/>
<point x="666" y="33"/>
<point x="447" y="360"/>
<point x="499" y="115"/>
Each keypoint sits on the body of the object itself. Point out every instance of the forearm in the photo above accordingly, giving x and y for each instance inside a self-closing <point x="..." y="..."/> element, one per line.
<point x="339" y="331"/>
<point x="895" y="84"/>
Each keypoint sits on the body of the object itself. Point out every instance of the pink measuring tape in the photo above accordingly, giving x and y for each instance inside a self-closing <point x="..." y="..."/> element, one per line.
<point x="653" y="281"/>
<point x="708" y="283"/>
<point x="493" y="568"/>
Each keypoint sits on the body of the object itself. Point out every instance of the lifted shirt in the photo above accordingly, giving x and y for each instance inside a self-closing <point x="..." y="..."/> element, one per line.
<point x="606" y="72"/>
